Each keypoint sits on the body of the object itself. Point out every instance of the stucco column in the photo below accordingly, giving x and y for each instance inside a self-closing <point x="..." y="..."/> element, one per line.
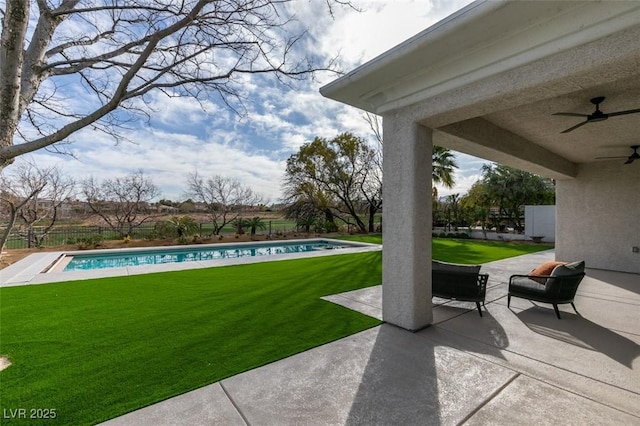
<point x="406" y="258"/>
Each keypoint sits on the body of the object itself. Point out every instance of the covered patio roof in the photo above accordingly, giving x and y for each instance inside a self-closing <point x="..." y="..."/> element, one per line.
<point x="487" y="81"/>
<point x="488" y="78"/>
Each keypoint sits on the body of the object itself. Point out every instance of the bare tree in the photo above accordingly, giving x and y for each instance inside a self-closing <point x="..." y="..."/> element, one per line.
<point x="224" y="198"/>
<point x="371" y="189"/>
<point x="120" y="51"/>
<point x="375" y="124"/>
<point x="13" y="199"/>
<point x="122" y="203"/>
<point x="50" y="188"/>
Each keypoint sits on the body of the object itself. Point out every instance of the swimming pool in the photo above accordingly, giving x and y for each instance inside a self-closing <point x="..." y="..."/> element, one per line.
<point x="158" y="256"/>
<point x="47" y="267"/>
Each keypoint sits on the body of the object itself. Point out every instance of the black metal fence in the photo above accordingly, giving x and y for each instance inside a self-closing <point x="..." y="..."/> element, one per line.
<point x="64" y="235"/>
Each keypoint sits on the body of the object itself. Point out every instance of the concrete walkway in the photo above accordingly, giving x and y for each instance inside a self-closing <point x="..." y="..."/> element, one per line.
<point x="512" y="366"/>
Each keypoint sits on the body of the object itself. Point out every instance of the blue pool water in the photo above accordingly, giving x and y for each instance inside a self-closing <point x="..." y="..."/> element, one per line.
<point x="193" y="254"/>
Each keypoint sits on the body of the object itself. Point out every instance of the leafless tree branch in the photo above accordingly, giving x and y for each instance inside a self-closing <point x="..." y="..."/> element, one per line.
<point x="120" y="50"/>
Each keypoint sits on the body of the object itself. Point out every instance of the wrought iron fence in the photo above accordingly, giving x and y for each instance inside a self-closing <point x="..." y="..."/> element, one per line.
<point x="63" y="235"/>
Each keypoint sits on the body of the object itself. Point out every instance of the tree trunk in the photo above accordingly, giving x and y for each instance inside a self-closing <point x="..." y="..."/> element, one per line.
<point x="372" y="214"/>
<point x="361" y="226"/>
<point x="13" y="215"/>
<point x="15" y="20"/>
<point x="12" y="220"/>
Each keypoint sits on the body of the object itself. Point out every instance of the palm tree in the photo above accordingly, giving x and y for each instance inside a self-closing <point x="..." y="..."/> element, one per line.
<point x="306" y="222"/>
<point x="444" y="163"/>
<point x="183" y="227"/>
<point x="255" y="223"/>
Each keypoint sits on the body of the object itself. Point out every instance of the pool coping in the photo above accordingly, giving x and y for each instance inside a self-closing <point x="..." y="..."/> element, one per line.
<point x="28" y="271"/>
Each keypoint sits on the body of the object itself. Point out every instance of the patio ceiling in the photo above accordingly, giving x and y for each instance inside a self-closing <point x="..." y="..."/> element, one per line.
<point x="489" y="78"/>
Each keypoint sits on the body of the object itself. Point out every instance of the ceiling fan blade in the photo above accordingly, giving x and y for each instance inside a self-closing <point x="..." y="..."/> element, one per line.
<point x="570" y="129"/>
<point x="631" y="111"/>
<point x="607" y="158"/>
<point x="571" y="114"/>
<point x="630" y="160"/>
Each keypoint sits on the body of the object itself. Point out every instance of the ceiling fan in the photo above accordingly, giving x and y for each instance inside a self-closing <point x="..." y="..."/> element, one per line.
<point x="597" y="115"/>
<point x="630" y="159"/>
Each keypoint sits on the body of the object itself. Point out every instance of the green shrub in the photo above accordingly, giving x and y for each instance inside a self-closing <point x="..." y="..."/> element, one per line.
<point x="330" y="226"/>
<point x="162" y="230"/>
<point x="180" y="227"/>
<point x="90" y="242"/>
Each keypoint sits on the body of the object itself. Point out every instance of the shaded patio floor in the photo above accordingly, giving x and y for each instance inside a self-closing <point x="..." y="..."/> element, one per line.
<point x="512" y="366"/>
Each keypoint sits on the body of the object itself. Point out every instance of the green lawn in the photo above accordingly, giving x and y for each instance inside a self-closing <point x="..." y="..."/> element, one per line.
<point x="475" y="252"/>
<point x="466" y="251"/>
<point x="96" y="349"/>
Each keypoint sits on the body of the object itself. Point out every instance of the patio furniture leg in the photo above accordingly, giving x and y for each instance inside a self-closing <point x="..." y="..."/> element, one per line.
<point x="479" y="310"/>
<point x="574" y="308"/>
<point x="508" y="300"/>
<point x="555" y="307"/>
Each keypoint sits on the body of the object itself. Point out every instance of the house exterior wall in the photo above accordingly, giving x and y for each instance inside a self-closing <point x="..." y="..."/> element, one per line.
<point x="598" y="216"/>
<point x="540" y="221"/>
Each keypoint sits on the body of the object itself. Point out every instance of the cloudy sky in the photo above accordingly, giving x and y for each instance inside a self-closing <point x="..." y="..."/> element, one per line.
<point x="183" y="135"/>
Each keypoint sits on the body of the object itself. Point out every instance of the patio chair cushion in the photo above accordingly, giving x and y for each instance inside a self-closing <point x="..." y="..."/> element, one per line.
<point x="559" y="287"/>
<point x="436" y="265"/>
<point x="528" y="284"/>
<point x="568" y="269"/>
<point x="545" y="270"/>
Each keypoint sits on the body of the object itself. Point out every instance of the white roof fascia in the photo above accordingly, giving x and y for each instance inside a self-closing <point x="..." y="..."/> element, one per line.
<point x="485" y="38"/>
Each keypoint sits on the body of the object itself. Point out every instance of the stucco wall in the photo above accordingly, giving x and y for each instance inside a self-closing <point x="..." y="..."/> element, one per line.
<point x="540" y="221"/>
<point x="598" y="216"/>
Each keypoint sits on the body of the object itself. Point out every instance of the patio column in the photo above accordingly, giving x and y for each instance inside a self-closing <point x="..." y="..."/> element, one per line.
<point x="406" y="258"/>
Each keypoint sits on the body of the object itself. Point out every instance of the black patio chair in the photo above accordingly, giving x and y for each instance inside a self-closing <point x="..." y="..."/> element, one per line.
<point x="558" y="288"/>
<point x="459" y="282"/>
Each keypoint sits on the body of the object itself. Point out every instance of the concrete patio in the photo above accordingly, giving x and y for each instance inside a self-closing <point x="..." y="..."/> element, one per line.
<point x="512" y="366"/>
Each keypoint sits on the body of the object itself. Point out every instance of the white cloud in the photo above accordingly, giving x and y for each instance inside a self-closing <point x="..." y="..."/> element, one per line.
<point x="380" y="26"/>
<point x="181" y="111"/>
<point x="462" y="185"/>
<point x="182" y="137"/>
<point x="469" y="171"/>
<point x="168" y="158"/>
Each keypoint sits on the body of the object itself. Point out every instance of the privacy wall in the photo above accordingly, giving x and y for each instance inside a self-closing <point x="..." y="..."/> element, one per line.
<point x="540" y="221"/>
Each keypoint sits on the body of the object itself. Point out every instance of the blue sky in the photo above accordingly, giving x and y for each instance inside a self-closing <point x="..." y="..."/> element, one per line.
<point x="183" y="135"/>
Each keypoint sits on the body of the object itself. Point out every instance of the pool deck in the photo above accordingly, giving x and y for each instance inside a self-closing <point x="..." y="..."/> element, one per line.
<point x="28" y="271"/>
<point x="518" y="365"/>
<point x="512" y="366"/>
